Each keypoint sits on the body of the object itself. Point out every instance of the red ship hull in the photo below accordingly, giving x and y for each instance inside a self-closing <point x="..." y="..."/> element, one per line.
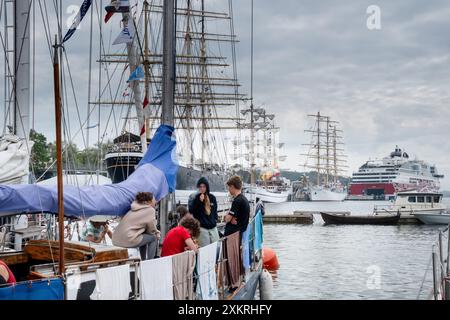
<point x="360" y="189"/>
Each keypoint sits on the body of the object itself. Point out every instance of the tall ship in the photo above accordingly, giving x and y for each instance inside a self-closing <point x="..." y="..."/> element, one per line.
<point x="397" y="172"/>
<point x="325" y="156"/>
<point x="206" y="94"/>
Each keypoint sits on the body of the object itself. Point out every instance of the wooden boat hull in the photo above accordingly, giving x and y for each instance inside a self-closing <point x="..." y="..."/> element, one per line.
<point x="331" y="218"/>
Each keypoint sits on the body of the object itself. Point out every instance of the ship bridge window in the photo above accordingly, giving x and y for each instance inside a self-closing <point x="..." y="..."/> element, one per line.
<point x="437" y="199"/>
<point x="421" y="199"/>
<point x="411" y="199"/>
<point x="429" y="199"/>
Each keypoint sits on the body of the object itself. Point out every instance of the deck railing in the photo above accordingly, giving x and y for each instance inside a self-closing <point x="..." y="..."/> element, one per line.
<point x="441" y="266"/>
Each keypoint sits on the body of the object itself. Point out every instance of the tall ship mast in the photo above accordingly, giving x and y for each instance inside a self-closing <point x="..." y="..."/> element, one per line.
<point x="206" y="101"/>
<point x="325" y="156"/>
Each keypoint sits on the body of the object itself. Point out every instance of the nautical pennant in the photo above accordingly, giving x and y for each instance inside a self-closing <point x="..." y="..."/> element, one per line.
<point x="77" y="20"/>
<point x="146" y="102"/>
<point x="93" y="126"/>
<point x="116" y="6"/>
<point x="126" y="93"/>
<point x="137" y="74"/>
<point x="126" y="35"/>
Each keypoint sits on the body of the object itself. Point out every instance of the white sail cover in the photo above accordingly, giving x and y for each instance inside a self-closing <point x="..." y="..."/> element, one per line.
<point x="156" y="173"/>
<point x="14" y="159"/>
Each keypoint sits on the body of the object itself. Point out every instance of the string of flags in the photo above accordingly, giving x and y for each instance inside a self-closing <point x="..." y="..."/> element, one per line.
<point x="116" y="7"/>
<point x="137" y="74"/>
<point x="126" y="36"/>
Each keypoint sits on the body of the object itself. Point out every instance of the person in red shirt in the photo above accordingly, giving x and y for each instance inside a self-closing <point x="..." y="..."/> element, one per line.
<point x="181" y="238"/>
<point x="6" y="275"/>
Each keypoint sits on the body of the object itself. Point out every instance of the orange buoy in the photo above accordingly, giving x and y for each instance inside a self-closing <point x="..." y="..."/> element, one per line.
<point x="270" y="260"/>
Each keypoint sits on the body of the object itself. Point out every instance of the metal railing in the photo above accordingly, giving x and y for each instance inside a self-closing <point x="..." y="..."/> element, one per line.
<point x="441" y="266"/>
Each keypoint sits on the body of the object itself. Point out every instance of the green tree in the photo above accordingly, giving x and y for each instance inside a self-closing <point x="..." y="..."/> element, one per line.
<point x="40" y="153"/>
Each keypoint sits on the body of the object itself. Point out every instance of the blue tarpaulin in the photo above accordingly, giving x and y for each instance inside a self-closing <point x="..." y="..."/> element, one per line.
<point x="51" y="289"/>
<point x="156" y="173"/>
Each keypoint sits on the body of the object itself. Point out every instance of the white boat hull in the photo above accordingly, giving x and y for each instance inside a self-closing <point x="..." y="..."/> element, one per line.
<point x="433" y="218"/>
<point x="265" y="196"/>
<point x="326" y="195"/>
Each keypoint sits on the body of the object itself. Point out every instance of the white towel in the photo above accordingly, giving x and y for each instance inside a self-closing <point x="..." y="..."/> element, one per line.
<point x="156" y="279"/>
<point x="112" y="283"/>
<point x="206" y="268"/>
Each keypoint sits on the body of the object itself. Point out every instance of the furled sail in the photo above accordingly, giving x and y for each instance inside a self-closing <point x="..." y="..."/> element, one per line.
<point x="14" y="159"/>
<point x="156" y="173"/>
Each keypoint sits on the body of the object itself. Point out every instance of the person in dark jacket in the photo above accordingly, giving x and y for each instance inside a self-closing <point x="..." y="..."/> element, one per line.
<point x="204" y="209"/>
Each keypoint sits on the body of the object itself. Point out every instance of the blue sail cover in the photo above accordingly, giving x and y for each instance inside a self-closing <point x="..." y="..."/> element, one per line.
<point x="48" y="289"/>
<point x="156" y="173"/>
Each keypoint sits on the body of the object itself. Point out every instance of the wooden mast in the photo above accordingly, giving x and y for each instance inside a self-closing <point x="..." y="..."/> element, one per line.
<point x="57" y="89"/>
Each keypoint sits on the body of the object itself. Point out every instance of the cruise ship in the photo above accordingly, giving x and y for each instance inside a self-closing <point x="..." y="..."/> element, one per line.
<point x="383" y="178"/>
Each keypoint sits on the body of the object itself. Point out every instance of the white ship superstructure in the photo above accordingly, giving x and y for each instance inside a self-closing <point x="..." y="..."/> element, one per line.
<point x="384" y="178"/>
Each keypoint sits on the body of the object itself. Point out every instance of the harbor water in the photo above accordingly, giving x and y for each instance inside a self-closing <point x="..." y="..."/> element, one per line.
<point x="349" y="262"/>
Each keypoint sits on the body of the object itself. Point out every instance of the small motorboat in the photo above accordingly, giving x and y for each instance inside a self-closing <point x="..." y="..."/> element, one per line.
<point x="346" y="218"/>
<point x="433" y="218"/>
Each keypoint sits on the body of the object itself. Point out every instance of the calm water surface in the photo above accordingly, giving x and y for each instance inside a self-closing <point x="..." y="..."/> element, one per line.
<point x="350" y="262"/>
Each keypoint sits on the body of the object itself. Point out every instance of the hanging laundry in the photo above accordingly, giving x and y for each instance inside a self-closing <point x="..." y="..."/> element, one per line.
<point x="232" y="256"/>
<point x="77" y="20"/>
<point x="206" y="270"/>
<point x="183" y="275"/>
<point x="126" y="35"/>
<point x="246" y="248"/>
<point x="156" y="279"/>
<point x="116" y="6"/>
<point x="137" y="74"/>
<point x="112" y="283"/>
<point x="258" y="242"/>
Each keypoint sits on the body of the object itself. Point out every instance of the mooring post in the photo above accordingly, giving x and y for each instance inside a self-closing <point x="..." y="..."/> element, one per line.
<point x="433" y="259"/>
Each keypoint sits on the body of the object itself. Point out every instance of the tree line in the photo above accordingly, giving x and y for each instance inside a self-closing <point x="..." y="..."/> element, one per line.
<point x="43" y="156"/>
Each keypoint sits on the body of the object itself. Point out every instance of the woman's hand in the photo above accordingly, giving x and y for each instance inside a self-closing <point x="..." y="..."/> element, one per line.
<point x="202" y="197"/>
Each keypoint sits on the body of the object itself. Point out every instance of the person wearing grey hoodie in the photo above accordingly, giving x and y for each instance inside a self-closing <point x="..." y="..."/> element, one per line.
<point x="137" y="229"/>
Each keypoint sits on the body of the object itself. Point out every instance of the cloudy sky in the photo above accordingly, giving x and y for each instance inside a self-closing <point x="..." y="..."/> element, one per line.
<point x="386" y="87"/>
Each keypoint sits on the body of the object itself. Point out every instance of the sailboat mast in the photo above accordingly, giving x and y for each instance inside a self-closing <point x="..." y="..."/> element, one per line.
<point x="318" y="148"/>
<point x="146" y="65"/>
<point x="59" y="170"/>
<point x="203" y="76"/>
<point x="168" y="88"/>
<point x="133" y="59"/>
<point x="327" y="160"/>
<point x="252" y="109"/>
<point x="22" y="69"/>
<point x="168" y="85"/>
<point x="188" y="89"/>
<point x="335" y="164"/>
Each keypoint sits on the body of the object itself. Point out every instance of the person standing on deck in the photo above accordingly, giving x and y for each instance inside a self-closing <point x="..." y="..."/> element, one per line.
<point x="6" y="275"/>
<point x="239" y="214"/>
<point x="137" y="229"/>
<point x="204" y="209"/>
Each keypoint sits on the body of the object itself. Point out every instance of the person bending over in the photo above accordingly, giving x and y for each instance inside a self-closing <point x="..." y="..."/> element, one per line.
<point x="181" y="238"/>
<point x="137" y="229"/>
